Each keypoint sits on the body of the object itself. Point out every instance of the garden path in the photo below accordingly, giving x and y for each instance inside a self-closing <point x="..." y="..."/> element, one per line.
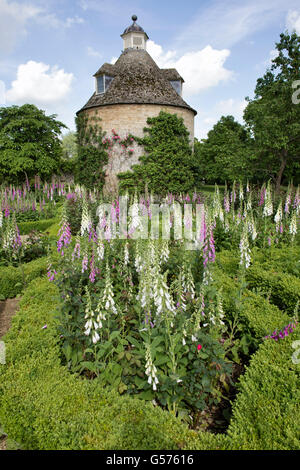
<point x="8" y="308"/>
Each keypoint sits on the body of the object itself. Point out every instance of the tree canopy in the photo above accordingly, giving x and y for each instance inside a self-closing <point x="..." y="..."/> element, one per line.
<point x="167" y="165"/>
<point x="69" y="145"/>
<point x="226" y="153"/>
<point x="272" y="117"/>
<point x="29" y="143"/>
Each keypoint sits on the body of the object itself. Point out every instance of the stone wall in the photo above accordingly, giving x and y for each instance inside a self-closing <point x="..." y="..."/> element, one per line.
<point x="131" y="119"/>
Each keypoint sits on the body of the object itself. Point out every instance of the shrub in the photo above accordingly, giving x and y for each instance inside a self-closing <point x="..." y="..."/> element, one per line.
<point x="284" y="289"/>
<point x="167" y="165"/>
<point x="38" y="225"/>
<point x="262" y="317"/>
<point x="11" y="279"/>
<point x="43" y="406"/>
<point x="266" y="414"/>
<point x="285" y="259"/>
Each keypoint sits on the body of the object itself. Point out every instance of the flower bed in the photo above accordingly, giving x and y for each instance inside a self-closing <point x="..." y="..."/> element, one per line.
<point x="43" y="406"/>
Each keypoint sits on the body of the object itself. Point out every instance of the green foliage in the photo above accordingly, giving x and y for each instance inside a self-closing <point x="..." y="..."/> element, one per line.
<point x="285" y="259"/>
<point x="167" y="165"/>
<point x="29" y="143"/>
<point x="38" y="225"/>
<point x="225" y="155"/>
<point x="43" y="407"/>
<point x="69" y="145"/>
<point x="11" y="279"/>
<point x="266" y="412"/>
<point x="92" y="155"/>
<point x="272" y="117"/>
<point x="283" y="289"/>
<point x="189" y="379"/>
<point x="262" y="317"/>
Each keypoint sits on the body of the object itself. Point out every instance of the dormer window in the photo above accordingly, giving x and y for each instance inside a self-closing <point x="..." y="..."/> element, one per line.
<point x="176" y="84"/>
<point x="102" y="83"/>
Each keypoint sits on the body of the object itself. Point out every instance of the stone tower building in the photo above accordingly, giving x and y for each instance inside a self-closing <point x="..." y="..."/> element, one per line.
<point x="129" y="92"/>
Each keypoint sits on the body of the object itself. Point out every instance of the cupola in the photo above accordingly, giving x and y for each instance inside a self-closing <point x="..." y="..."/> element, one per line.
<point x="134" y="37"/>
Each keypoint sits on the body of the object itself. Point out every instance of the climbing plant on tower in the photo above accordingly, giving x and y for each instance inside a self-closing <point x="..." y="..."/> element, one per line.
<point x="167" y="163"/>
<point x="91" y="150"/>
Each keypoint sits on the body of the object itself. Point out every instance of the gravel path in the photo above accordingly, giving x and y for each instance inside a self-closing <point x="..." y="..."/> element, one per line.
<point x="8" y="309"/>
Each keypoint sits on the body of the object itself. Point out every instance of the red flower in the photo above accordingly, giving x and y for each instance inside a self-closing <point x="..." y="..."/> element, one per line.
<point x="199" y="346"/>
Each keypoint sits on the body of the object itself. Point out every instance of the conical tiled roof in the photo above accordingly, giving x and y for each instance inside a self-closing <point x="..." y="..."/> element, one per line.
<point x="137" y="80"/>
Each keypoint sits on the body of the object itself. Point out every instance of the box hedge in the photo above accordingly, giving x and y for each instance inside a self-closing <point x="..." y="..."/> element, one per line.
<point x="43" y="406"/>
<point x="37" y="225"/>
<point x="11" y="278"/>
<point x="266" y="413"/>
<point x="283" y="289"/>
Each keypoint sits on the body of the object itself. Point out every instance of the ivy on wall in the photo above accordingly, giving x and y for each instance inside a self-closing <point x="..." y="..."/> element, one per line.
<point x="92" y="152"/>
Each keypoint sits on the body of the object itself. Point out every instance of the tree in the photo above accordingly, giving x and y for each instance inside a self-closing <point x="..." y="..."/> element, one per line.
<point x="272" y="117"/>
<point x="29" y="143"/>
<point x="167" y="165"/>
<point x="225" y="155"/>
<point x="69" y="145"/>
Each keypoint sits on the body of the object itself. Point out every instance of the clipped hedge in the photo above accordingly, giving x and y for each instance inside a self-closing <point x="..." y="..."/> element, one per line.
<point x="53" y="229"/>
<point x="37" y="225"/>
<point x="266" y="413"/>
<point x="284" y="289"/>
<point x="11" y="279"/>
<point x="262" y="317"/>
<point x="43" y="406"/>
<point x="285" y="259"/>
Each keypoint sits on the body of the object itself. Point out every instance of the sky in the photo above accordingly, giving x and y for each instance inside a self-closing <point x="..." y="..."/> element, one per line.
<point x="49" y="50"/>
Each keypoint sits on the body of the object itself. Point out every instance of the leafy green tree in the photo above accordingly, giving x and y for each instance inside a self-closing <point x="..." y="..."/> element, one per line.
<point x="226" y="153"/>
<point x="69" y="145"/>
<point x="273" y="118"/>
<point x="167" y="165"/>
<point x="29" y="143"/>
<point x="91" y="152"/>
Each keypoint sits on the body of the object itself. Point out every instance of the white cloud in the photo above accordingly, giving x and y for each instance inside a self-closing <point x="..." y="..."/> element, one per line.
<point x="39" y="84"/>
<point x="200" y="69"/>
<point x="92" y="52"/>
<point x="232" y="107"/>
<point x="14" y="17"/>
<point x="273" y="54"/>
<point x="205" y="121"/>
<point x="293" y="21"/>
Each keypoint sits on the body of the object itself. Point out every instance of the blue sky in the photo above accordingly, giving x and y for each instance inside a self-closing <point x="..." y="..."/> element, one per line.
<point x="49" y="50"/>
